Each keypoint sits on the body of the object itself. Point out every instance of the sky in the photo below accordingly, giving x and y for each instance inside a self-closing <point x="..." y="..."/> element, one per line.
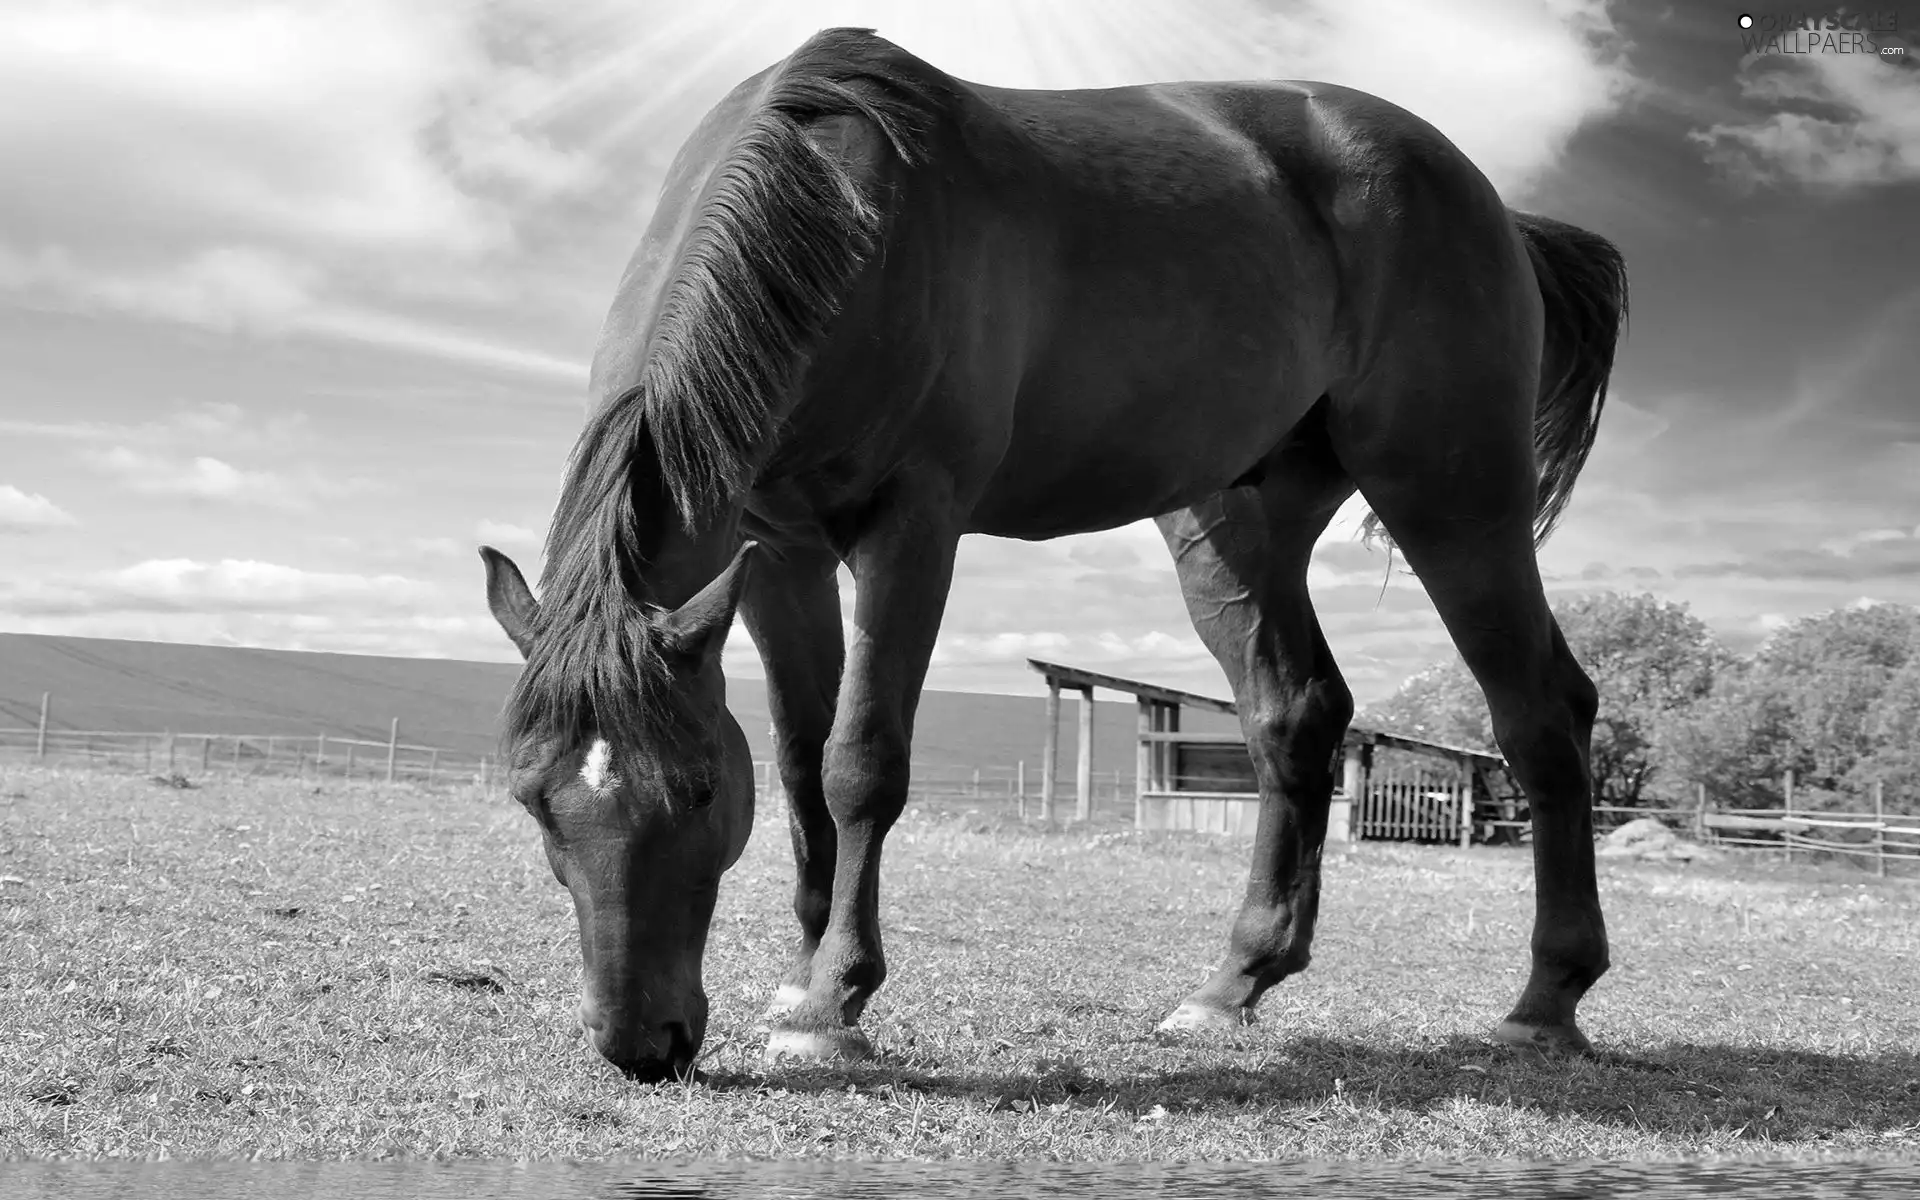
<point x="296" y="301"/>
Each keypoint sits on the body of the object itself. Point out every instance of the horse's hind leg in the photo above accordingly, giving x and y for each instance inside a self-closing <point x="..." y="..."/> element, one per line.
<point x="1449" y="469"/>
<point x="792" y="609"/>
<point x="1242" y="558"/>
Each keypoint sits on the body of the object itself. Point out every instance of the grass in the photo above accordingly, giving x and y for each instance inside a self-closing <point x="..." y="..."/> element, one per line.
<point x="265" y="968"/>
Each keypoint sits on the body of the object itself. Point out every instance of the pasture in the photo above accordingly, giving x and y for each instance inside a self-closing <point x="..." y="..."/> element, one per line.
<point x="264" y="967"/>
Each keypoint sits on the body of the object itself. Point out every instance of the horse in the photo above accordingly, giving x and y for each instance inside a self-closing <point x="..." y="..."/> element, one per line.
<point x="878" y="308"/>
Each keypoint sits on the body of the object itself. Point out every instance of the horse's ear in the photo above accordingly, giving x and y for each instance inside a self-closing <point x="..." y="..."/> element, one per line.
<point x="510" y="599"/>
<point x="697" y="629"/>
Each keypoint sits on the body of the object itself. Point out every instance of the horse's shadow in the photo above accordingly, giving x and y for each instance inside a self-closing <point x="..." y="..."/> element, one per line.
<point x="1760" y="1092"/>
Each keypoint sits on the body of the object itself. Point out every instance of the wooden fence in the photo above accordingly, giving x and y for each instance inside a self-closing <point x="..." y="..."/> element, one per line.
<point x="1803" y="833"/>
<point x="1414" y="806"/>
<point x="317" y="755"/>
<point x="321" y="755"/>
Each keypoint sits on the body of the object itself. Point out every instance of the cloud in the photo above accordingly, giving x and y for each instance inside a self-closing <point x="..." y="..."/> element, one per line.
<point x="240" y="602"/>
<point x="391" y="330"/>
<point x="222" y="288"/>
<point x="239" y="289"/>
<point x="271" y="118"/>
<point x="1878" y="556"/>
<point x="273" y="167"/>
<point x="1844" y="545"/>
<point x="1461" y="69"/>
<point x="226" y="586"/>
<point x="199" y="426"/>
<point x="1838" y="121"/>
<point x="420" y="176"/>
<point x="29" y="512"/>
<point x="203" y="477"/>
<point x="501" y="533"/>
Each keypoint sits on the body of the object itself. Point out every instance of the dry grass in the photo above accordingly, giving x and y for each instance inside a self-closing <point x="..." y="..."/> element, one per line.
<point x="257" y="967"/>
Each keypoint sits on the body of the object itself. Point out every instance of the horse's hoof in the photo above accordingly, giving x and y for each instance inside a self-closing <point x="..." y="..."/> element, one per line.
<point x="1191" y="1017"/>
<point x="1559" y="1040"/>
<point x="786" y="998"/>
<point x="818" y="1045"/>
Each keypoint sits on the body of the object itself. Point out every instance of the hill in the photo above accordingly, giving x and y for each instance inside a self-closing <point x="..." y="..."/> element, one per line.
<point x="108" y="684"/>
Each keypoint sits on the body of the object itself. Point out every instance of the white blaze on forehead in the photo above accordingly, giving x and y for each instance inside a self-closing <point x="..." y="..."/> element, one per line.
<point x="597" y="770"/>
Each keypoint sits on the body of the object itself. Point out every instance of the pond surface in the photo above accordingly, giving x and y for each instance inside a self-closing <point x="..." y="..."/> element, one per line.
<point x="941" y="1181"/>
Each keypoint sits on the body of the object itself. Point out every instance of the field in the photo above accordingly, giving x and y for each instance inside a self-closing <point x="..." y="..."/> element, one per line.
<point x="259" y="967"/>
<point x="108" y="684"/>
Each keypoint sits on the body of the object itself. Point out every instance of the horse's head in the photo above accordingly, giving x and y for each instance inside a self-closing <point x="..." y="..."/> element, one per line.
<point x="640" y="820"/>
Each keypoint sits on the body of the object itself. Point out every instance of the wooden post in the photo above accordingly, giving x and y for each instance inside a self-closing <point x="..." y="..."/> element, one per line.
<point x="433" y="764"/>
<point x="1083" y="778"/>
<point x="40" y="741"/>
<point x="976" y="783"/>
<point x="320" y="751"/>
<point x="1786" y="834"/>
<point x="1350" y="783"/>
<point x="350" y="750"/>
<point x="1142" y="760"/>
<point x="206" y="753"/>
<point x="1463" y="796"/>
<point x="1169" y="751"/>
<point x="1020" y="781"/>
<point x="1050" y="756"/>
<point x="393" y="746"/>
<point x="1700" y="812"/>
<point x="273" y="744"/>
<point x="1880" y="830"/>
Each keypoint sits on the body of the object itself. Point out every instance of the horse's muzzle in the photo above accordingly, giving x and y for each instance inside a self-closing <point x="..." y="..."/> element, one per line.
<point x="646" y="1054"/>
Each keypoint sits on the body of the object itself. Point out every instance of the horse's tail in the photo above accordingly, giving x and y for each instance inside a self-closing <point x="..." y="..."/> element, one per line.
<point x="1583" y="283"/>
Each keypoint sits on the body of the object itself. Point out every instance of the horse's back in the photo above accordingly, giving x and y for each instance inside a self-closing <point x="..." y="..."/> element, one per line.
<point x="1220" y="253"/>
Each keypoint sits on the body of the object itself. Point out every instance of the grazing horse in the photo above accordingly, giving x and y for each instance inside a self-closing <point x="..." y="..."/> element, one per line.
<point x="878" y="308"/>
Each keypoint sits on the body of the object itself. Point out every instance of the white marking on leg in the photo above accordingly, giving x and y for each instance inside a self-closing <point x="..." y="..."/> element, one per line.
<point x="597" y="770"/>
<point x="787" y="997"/>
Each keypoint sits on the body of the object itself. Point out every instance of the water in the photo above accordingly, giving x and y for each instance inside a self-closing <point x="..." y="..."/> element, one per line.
<point x="949" y="1181"/>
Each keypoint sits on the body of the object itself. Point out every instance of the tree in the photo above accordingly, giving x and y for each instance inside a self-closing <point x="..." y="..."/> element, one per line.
<point x="1652" y="660"/>
<point x="1834" y="698"/>
<point x="1894" y="723"/>
<point x="1735" y="741"/>
<point x="1441" y="704"/>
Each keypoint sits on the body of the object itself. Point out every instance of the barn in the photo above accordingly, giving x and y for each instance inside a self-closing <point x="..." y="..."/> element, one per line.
<point x="1392" y="787"/>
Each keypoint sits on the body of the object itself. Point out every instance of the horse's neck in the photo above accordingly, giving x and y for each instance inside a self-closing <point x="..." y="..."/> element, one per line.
<point x="680" y="563"/>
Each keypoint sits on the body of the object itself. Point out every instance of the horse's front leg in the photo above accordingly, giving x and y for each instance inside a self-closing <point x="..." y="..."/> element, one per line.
<point x="792" y="609"/>
<point x="902" y="566"/>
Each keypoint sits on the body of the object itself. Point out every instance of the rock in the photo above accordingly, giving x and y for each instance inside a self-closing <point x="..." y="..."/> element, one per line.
<point x="1648" y="838"/>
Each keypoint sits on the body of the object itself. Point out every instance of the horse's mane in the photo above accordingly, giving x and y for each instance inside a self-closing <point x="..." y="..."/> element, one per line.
<point x="764" y="268"/>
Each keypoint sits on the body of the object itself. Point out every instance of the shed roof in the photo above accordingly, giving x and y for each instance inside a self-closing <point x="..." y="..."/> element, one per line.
<point x="1078" y="677"/>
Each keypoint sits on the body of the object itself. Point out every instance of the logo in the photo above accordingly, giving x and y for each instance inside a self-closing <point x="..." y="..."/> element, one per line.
<point x="1874" y="33"/>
